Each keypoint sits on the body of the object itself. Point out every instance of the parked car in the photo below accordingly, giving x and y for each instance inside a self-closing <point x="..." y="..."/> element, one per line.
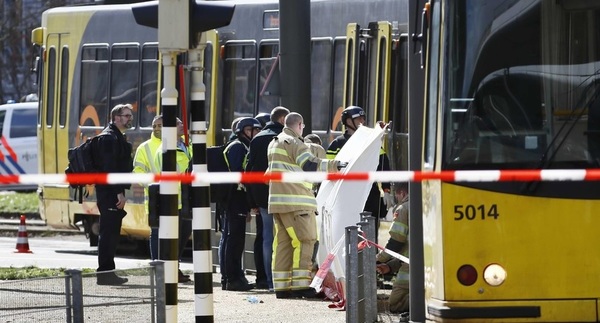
<point x="18" y="142"/>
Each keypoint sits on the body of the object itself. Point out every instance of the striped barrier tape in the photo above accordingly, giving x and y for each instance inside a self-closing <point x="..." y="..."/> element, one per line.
<point x="311" y="177"/>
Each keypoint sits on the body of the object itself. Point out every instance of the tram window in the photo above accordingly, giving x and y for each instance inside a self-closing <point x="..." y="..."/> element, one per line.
<point x="208" y="71"/>
<point x="93" y="103"/>
<point x="239" y="82"/>
<point x="339" y="54"/>
<point x="321" y="80"/>
<point x="271" y="97"/>
<point x="150" y="66"/>
<point x="51" y="87"/>
<point x="124" y="83"/>
<point x="381" y="73"/>
<point x="64" y="86"/>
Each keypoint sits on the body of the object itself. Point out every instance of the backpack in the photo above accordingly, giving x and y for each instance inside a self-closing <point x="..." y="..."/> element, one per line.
<point x="215" y="162"/>
<point x="82" y="160"/>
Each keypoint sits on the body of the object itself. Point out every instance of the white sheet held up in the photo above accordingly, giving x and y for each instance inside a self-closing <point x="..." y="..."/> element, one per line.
<point x="341" y="202"/>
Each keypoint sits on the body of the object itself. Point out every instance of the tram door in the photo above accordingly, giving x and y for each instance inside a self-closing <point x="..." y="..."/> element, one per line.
<point x="368" y="69"/>
<point x="53" y="122"/>
<point x="55" y="104"/>
<point x="375" y="79"/>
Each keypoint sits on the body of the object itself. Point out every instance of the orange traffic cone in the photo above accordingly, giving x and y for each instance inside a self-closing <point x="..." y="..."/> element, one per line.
<point x="22" y="241"/>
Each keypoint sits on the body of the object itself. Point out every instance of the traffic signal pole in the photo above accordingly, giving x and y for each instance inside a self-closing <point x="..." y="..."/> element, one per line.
<point x="173" y="38"/>
<point x="168" y="230"/>
<point x="200" y="194"/>
<point x="180" y="26"/>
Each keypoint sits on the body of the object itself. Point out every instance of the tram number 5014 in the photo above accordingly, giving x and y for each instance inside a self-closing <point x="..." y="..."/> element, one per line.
<point x="472" y="212"/>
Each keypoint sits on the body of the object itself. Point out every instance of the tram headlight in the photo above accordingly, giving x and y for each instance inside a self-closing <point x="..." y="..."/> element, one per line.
<point x="467" y="275"/>
<point x="494" y="275"/>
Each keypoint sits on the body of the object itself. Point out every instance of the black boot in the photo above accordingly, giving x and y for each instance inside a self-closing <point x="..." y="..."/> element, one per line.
<point x="110" y="279"/>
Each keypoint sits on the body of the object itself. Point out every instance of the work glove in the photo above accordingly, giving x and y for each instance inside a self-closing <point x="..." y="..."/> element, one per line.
<point x="342" y="165"/>
<point x="388" y="200"/>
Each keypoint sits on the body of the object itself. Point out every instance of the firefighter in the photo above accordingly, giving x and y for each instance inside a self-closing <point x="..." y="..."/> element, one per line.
<point x="294" y="207"/>
<point x="398" y="242"/>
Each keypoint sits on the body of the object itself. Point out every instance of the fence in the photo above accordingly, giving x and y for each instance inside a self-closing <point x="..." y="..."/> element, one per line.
<point x="76" y="298"/>
<point x="361" y="277"/>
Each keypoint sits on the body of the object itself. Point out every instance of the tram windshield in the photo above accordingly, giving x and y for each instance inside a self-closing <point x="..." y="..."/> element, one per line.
<point x="522" y="84"/>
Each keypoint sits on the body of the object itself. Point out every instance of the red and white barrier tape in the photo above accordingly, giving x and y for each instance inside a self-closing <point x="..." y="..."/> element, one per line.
<point x="311" y="177"/>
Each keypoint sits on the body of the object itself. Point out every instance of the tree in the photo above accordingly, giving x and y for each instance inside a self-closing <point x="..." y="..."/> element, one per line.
<point x="17" y="19"/>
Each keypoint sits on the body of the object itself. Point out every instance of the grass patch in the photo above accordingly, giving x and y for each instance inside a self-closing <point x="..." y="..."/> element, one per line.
<point x="12" y="273"/>
<point x="13" y="202"/>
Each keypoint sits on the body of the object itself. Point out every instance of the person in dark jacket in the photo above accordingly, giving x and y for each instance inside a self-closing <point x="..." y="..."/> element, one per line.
<point x="258" y="197"/>
<point x="236" y="208"/>
<point x="113" y="153"/>
<point x="220" y="217"/>
<point x="352" y="118"/>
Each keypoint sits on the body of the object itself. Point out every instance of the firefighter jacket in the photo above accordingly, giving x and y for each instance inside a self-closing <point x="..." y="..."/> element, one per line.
<point x="288" y="153"/>
<point x="398" y="241"/>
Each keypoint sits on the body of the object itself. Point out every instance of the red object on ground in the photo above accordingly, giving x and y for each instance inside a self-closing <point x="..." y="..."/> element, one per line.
<point x="22" y="240"/>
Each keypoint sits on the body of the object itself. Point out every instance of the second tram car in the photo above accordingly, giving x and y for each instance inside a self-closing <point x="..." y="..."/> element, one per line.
<point x="94" y="57"/>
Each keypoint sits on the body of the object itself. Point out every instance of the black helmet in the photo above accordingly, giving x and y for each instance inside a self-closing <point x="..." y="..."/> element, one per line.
<point x="246" y="122"/>
<point x="352" y="112"/>
<point x="263" y="118"/>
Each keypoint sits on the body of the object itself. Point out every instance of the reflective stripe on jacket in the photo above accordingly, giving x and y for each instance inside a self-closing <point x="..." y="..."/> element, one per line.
<point x="288" y="153"/>
<point x="143" y="161"/>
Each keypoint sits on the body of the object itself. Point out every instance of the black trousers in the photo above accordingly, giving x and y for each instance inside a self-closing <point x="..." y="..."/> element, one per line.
<point x="110" y="228"/>
<point x="261" y="274"/>
<point x="236" y="239"/>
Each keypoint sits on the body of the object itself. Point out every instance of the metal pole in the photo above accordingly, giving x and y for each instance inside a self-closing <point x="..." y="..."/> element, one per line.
<point x="294" y="42"/>
<point x="76" y="294"/>
<point x="200" y="194"/>
<point x="168" y="230"/>
<point x="159" y="275"/>
<point x="415" y="152"/>
<point x="352" y="274"/>
<point x="369" y="267"/>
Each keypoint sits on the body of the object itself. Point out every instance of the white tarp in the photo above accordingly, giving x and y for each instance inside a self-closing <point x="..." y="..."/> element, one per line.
<point x="341" y="202"/>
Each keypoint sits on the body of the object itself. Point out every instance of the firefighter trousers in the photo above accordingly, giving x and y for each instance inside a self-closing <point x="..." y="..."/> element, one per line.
<point x="295" y="237"/>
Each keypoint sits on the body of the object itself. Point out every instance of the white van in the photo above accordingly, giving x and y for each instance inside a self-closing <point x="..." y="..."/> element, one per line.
<point x="18" y="143"/>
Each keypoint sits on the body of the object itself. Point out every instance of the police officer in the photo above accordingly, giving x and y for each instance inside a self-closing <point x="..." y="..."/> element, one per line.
<point x="237" y="209"/>
<point x="263" y="118"/>
<point x="293" y="206"/>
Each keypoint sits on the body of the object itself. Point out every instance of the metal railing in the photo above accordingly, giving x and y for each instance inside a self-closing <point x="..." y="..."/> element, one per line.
<point x="361" y="277"/>
<point x="76" y="296"/>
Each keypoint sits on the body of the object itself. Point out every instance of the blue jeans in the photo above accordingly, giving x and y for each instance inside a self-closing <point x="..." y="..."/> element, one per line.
<point x="268" y="235"/>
